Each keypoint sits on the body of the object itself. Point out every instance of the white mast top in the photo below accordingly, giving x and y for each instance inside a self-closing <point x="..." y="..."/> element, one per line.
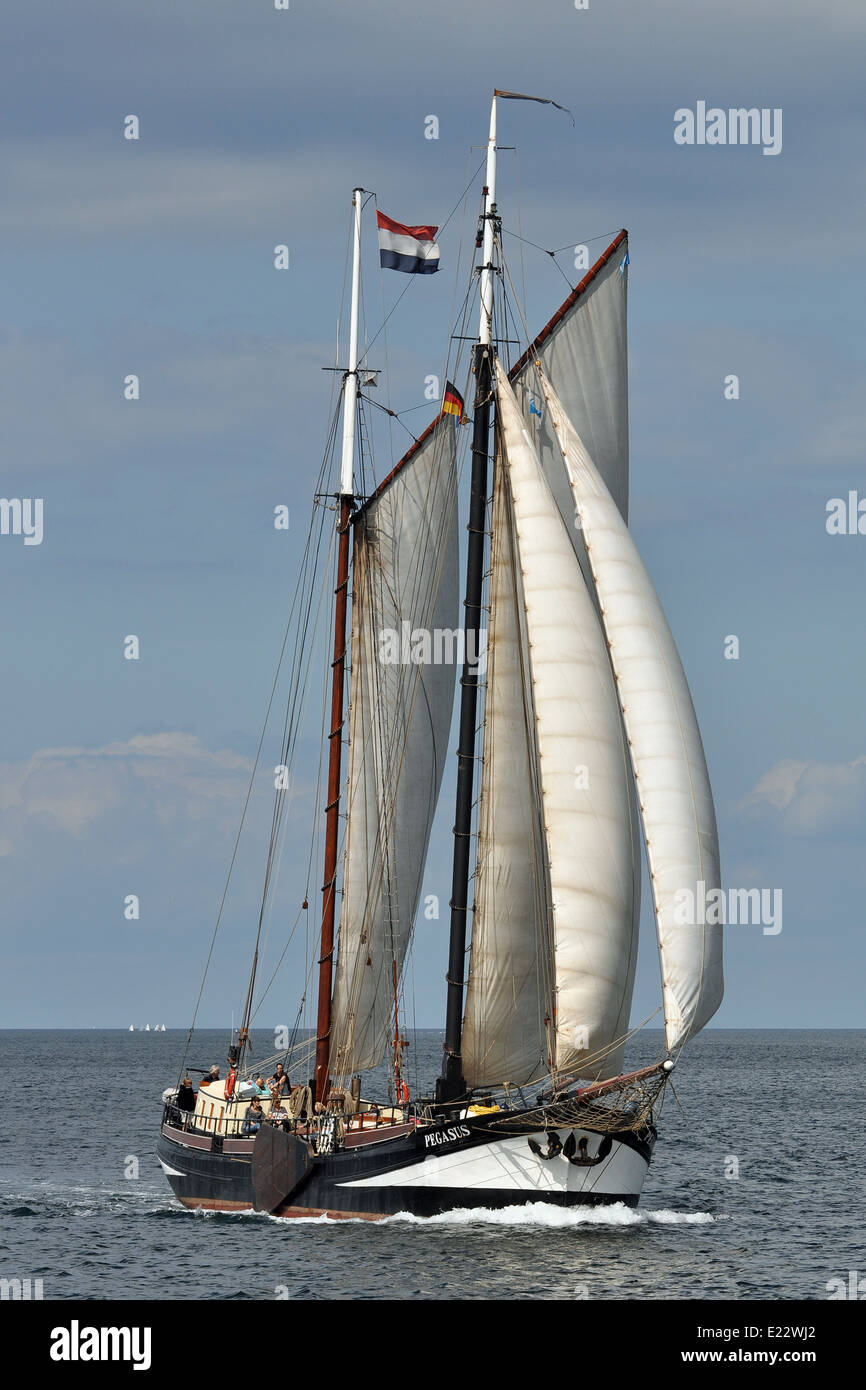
<point x="350" y="396"/>
<point x="485" y="326"/>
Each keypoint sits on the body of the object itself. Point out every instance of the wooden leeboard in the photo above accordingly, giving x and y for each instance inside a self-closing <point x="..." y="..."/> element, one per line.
<point x="281" y="1162"/>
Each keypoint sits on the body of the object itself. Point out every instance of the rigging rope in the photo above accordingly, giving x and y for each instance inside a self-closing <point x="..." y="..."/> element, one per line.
<point x="296" y="599"/>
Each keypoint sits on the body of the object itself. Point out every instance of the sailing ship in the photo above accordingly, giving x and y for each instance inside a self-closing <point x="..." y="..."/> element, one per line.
<point x="577" y="739"/>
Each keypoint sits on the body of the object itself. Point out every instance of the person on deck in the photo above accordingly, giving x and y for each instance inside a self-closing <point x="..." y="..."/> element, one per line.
<point x="186" y="1100"/>
<point x="262" y="1088"/>
<point x="253" y="1117"/>
<point x="213" y="1075"/>
<point x="278" y="1115"/>
<point x="279" y="1079"/>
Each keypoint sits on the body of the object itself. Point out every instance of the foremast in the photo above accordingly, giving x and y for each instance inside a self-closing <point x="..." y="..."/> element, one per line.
<point x="451" y="1085"/>
<point x="345" y="499"/>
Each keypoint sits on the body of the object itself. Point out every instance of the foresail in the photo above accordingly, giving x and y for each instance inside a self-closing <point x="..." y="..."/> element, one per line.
<point x="509" y="991"/>
<point x="404" y="626"/>
<point x="673" y="784"/>
<point x="584" y="772"/>
<point x="583" y="354"/>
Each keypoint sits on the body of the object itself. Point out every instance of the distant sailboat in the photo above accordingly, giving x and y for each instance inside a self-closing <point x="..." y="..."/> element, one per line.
<point x="131" y="1029"/>
<point x="588" y="734"/>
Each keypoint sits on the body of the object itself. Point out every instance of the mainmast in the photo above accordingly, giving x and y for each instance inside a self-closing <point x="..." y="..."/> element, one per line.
<point x="338" y="667"/>
<point x="451" y="1084"/>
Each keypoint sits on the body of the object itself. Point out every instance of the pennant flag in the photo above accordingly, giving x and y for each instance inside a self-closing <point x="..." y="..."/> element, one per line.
<point x="411" y="249"/>
<point x="453" y="402"/>
<point x="521" y="96"/>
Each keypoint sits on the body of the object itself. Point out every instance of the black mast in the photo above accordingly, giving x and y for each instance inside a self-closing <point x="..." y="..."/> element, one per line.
<point x="451" y="1085"/>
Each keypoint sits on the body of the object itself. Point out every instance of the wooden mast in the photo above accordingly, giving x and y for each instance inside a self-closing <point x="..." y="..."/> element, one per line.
<point x="338" y="667"/>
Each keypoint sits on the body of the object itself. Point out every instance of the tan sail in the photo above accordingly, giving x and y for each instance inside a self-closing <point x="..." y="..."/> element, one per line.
<point x="509" y="992"/>
<point x="583" y="775"/>
<point x="401" y="693"/>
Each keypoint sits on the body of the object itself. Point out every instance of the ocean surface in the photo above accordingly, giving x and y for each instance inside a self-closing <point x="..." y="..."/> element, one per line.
<point x="85" y="1208"/>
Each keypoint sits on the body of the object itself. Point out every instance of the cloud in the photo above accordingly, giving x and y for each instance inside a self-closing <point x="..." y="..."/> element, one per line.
<point x="171" y="779"/>
<point x="811" y="799"/>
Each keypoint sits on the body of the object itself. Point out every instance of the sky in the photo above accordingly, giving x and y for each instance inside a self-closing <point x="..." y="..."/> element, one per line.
<point x="155" y="257"/>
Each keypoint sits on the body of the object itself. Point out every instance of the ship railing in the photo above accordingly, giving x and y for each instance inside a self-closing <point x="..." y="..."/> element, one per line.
<point x="326" y="1131"/>
<point x="218" y="1122"/>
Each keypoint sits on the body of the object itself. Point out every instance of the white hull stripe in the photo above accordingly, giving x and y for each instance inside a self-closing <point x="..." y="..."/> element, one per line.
<point x="171" y="1172"/>
<point x="509" y="1165"/>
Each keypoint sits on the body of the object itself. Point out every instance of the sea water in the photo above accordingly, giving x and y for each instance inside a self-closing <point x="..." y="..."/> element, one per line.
<point x="756" y="1189"/>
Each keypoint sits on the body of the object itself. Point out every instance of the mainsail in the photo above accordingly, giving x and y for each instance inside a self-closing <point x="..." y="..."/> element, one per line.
<point x="404" y="621"/>
<point x="509" y="992"/>
<point x="587" y="855"/>
<point x="664" y="741"/>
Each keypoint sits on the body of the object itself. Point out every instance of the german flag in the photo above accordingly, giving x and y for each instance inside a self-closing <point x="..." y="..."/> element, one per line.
<point x="453" y="402"/>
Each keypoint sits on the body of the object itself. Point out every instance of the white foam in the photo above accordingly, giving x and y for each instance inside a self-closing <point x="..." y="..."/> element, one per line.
<point x="530" y="1214"/>
<point x="540" y="1214"/>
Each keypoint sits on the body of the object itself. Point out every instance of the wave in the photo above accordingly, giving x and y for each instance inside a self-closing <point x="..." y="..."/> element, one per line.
<point x="88" y="1201"/>
<point x="539" y="1214"/>
<point x="530" y="1214"/>
<point x="53" y="1200"/>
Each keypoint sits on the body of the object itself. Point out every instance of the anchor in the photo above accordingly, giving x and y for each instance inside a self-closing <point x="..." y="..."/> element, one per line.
<point x="554" y="1146"/>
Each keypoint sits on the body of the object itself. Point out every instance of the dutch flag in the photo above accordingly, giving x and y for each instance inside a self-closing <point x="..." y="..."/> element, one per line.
<point x="411" y="249"/>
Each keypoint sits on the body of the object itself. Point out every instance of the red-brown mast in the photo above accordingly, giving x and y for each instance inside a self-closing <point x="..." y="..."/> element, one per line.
<point x="338" y="668"/>
<point x="332" y="809"/>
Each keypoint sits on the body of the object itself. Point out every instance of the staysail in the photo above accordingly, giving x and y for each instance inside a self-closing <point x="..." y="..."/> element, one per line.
<point x="583" y="353"/>
<point x="404" y="628"/>
<point x="509" y="991"/>
<point x="588" y="854"/>
<point x="670" y="769"/>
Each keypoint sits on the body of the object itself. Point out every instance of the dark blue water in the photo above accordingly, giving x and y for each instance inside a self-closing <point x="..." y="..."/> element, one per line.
<point x="783" y="1109"/>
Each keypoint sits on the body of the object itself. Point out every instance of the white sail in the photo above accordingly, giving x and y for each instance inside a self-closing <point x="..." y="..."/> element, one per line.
<point x="509" y="990"/>
<point x="583" y="354"/>
<point x="583" y="771"/>
<point x="404" y="624"/>
<point x="673" y="784"/>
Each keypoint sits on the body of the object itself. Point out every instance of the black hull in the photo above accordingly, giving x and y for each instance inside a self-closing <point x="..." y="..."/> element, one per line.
<point x="410" y="1174"/>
